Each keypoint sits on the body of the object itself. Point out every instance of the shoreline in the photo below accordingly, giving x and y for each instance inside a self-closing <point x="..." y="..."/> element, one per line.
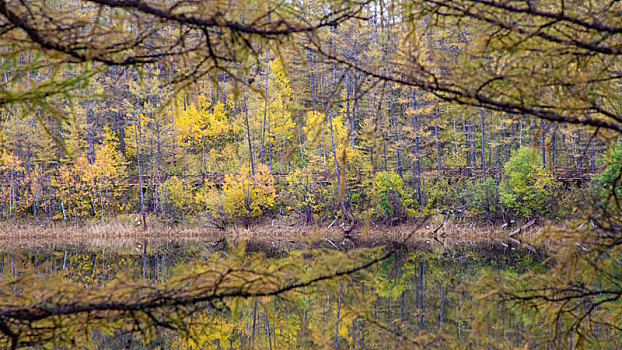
<point x="294" y="235"/>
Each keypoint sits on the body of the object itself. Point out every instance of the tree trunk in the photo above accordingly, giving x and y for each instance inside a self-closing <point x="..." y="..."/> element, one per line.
<point x="553" y="146"/>
<point x="439" y="163"/>
<point x="417" y="164"/>
<point x="268" y="328"/>
<point x="397" y="140"/>
<point x="254" y="322"/>
<point x="140" y="177"/>
<point x="338" y="175"/>
<point x="505" y="146"/>
<point x="338" y="314"/>
<point x="265" y="111"/>
<point x="312" y="82"/>
<point x="455" y="141"/>
<point x="248" y="134"/>
<point x="483" y="152"/>
<point x="543" y="144"/>
<point x="468" y="152"/>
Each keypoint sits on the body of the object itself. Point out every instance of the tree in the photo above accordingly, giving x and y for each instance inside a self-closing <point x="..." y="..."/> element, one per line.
<point x="137" y="33"/>
<point x="304" y="195"/>
<point x="9" y="165"/>
<point x="490" y="63"/>
<point x="247" y="195"/>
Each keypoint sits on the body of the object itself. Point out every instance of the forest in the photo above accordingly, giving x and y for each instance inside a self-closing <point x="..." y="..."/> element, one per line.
<point x="288" y="134"/>
<point x="358" y="114"/>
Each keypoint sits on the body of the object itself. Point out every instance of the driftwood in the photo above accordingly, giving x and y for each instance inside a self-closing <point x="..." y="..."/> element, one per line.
<point x="331" y="224"/>
<point x="436" y="231"/>
<point x="521" y="229"/>
<point x="516" y="241"/>
<point x="510" y="236"/>
<point x="331" y="242"/>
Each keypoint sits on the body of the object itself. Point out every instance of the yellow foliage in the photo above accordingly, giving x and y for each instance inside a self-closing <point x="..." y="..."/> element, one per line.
<point x="9" y="161"/>
<point x="246" y="195"/>
<point x="178" y="195"/>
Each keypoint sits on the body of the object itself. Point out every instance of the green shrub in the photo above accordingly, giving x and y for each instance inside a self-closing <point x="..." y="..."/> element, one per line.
<point x="528" y="188"/>
<point x="390" y="200"/>
<point x="441" y="192"/>
<point x="610" y="178"/>
<point x="482" y="199"/>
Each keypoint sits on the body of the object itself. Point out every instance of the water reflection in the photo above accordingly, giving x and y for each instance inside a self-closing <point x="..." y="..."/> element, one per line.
<point x="414" y="299"/>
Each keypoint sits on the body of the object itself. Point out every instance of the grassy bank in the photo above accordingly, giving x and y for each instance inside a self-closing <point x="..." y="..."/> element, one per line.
<point x="279" y="228"/>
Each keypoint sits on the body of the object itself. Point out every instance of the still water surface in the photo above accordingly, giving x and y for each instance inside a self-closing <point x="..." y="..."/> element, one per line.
<point x="416" y="298"/>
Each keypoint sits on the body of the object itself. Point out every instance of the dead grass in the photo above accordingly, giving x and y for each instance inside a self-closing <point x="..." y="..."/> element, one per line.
<point x="125" y="232"/>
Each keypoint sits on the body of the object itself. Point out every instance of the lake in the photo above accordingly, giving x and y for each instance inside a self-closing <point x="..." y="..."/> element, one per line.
<point x="418" y="297"/>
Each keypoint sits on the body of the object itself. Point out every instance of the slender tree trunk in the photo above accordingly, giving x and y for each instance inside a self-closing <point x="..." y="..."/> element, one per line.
<point x="592" y="163"/>
<point x="265" y="111"/>
<point x="440" y="316"/>
<point x="312" y="82"/>
<point x="254" y="323"/>
<point x="417" y="164"/>
<point x="353" y="128"/>
<point x="520" y="134"/>
<point x="397" y="140"/>
<point x="12" y="195"/>
<point x="384" y="151"/>
<point x="337" y="173"/>
<point x="505" y="146"/>
<point x="248" y="134"/>
<point x="300" y="143"/>
<point x="468" y="152"/>
<point x="543" y="144"/>
<point x="554" y="146"/>
<point x="348" y="115"/>
<point x="421" y="293"/>
<point x="483" y="143"/>
<point x="202" y="155"/>
<point x="217" y="156"/>
<point x="580" y="149"/>
<point x="460" y="318"/>
<point x="268" y="328"/>
<point x="472" y="149"/>
<point x="338" y="315"/>
<point x="456" y="141"/>
<point x="89" y="133"/>
<point x="270" y="143"/>
<point x="439" y="163"/>
<point x="140" y="177"/>
<point x="101" y="204"/>
<point x="149" y="176"/>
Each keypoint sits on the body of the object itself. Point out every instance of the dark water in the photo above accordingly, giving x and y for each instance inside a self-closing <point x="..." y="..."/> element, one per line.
<point x="418" y="298"/>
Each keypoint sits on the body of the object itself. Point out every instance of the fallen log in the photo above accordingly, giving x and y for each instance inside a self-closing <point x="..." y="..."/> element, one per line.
<point x="520" y="229"/>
